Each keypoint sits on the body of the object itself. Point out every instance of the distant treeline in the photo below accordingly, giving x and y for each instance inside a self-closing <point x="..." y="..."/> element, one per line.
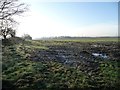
<point x="70" y="37"/>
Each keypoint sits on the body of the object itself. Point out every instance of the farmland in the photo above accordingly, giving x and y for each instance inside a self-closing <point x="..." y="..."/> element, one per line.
<point x="60" y="63"/>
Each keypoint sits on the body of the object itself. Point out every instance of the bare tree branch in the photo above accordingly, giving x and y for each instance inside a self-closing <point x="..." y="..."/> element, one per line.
<point x="8" y="9"/>
<point x="11" y="8"/>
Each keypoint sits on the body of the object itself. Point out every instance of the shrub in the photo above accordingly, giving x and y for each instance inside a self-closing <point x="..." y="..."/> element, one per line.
<point x="27" y="37"/>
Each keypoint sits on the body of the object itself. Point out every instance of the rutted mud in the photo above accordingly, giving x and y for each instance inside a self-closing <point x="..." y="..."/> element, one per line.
<point x="86" y="56"/>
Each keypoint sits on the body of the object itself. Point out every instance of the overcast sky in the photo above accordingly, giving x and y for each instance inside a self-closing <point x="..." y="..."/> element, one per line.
<point x="47" y="19"/>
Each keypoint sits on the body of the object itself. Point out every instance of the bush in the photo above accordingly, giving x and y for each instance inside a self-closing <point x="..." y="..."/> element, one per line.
<point x="27" y="37"/>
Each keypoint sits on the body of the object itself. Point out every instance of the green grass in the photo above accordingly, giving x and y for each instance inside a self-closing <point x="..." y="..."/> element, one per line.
<point x="87" y="39"/>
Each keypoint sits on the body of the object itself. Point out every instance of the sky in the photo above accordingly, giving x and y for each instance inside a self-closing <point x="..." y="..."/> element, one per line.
<point x="50" y="19"/>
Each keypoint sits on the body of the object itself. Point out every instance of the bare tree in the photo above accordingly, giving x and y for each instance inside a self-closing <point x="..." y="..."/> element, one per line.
<point x="4" y="33"/>
<point x="8" y="9"/>
<point x="7" y="28"/>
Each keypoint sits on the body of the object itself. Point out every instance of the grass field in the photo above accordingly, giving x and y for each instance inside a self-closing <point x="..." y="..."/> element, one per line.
<point x="60" y="63"/>
<point x="86" y="39"/>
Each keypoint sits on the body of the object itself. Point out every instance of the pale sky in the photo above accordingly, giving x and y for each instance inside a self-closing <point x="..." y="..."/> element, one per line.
<point x="49" y="19"/>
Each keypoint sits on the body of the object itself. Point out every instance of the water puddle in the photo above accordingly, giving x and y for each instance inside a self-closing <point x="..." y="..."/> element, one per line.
<point x="101" y="55"/>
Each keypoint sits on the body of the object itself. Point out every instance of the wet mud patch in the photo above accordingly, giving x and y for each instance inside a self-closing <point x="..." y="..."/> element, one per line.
<point x="86" y="56"/>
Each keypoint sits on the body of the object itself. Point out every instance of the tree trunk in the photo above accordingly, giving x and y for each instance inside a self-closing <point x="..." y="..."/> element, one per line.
<point x="4" y="36"/>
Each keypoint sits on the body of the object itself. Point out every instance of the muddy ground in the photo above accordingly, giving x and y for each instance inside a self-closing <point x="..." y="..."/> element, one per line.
<point x="86" y="56"/>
